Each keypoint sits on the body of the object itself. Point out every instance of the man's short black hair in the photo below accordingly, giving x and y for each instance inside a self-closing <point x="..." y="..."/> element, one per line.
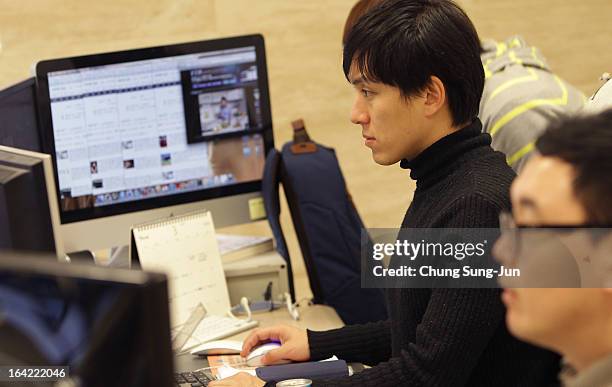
<point x="402" y="43"/>
<point x="585" y="142"/>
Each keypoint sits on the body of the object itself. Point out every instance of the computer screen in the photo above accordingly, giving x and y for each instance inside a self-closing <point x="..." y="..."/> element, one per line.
<point x="18" y="116"/>
<point x="109" y="326"/>
<point x="145" y="129"/>
<point x="28" y="206"/>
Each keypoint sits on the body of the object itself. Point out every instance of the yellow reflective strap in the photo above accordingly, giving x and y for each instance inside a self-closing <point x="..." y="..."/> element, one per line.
<point x="534" y="103"/>
<point x="536" y="58"/>
<point x="520" y="153"/>
<point x="533" y="76"/>
<point x="515" y="43"/>
<point x="512" y="56"/>
<point x="501" y="48"/>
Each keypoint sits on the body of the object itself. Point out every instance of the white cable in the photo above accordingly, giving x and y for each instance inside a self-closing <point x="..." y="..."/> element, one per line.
<point x="244" y="302"/>
<point x="291" y="307"/>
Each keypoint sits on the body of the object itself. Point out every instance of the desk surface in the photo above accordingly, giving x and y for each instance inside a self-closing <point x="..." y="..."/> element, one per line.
<point x="314" y="317"/>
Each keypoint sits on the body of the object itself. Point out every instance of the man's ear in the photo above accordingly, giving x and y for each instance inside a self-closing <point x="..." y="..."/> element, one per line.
<point x="435" y="96"/>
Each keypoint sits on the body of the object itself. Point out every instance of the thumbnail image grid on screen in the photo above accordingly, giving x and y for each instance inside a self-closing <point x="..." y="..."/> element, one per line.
<point x="120" y="130"/>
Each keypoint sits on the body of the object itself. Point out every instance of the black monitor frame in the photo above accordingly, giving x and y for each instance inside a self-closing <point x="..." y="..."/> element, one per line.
<point x="19" y="130"/>
<point x="150" y="289"/>
<point x="29" y="211"/>
<point x="43" y="68"/>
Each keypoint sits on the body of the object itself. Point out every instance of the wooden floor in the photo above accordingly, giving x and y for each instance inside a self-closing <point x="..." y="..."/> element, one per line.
<point x="303" y="48"/>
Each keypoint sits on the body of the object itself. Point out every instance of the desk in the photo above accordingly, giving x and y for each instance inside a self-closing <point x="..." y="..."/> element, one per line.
<point x="314" y="317"/>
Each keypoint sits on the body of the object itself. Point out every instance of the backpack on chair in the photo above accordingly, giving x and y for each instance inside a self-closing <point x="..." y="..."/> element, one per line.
<point x="327" y="225"/>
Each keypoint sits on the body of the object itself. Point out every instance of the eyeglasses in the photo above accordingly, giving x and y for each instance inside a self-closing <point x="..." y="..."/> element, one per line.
<point x="513" y="236"/>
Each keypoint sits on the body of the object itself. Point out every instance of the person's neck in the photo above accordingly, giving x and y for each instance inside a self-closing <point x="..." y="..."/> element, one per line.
<point x="448" y="142"/>
<point x="586" y="347"/>
<point x="440" y="127"/>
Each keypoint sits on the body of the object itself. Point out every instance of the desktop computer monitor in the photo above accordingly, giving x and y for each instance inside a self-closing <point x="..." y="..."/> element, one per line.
<point x="111" y="327"/>
<point x="28" y="206"/>
<point x="142" y="134"/>
<point x="19" y="116"/>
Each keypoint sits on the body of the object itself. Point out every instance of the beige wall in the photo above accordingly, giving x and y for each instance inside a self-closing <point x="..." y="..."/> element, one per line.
<point x="303" y="47"/>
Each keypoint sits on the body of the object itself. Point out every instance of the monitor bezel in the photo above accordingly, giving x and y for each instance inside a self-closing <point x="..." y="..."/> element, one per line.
<point x="150" y="287"/>
<point x="48" y="169"/>
<point x="8" y="96"/>
<point x="45" y="67"/>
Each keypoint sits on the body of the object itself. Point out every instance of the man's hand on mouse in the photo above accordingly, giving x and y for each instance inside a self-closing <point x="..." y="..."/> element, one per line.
<point x="239" y="380"/>
<point x="294" y="343"/>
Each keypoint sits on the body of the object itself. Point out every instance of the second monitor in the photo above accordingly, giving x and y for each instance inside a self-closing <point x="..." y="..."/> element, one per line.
<point x="142" y="134"/>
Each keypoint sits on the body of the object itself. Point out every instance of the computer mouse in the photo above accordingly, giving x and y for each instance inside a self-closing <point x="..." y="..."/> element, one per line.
<point x="219" y="347"/>
<point x="253" y="359"/>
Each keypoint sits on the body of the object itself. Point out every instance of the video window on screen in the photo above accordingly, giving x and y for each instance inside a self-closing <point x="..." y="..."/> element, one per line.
<point x="121" y="131"/>
<point x="221" y="100"/>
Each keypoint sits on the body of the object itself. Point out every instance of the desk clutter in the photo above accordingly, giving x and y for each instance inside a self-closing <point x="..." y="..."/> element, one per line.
<point x="224" y="362"/>
<point x="100" y="173"/>
<point x="185" y="248"/>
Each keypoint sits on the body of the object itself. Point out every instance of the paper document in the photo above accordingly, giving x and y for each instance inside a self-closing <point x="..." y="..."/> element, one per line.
<point x="230" y="243"/>
<point x="225" y="366"/>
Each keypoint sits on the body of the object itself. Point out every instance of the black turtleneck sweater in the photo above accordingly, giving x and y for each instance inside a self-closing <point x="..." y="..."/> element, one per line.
<point x="444" y="337"/>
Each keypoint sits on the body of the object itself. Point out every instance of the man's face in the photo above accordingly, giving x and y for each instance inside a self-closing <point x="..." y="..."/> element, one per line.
<point x="543" y="195"/>
<point x="392" y="126"/>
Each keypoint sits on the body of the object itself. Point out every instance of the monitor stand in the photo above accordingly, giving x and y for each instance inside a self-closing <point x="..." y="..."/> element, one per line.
<point x="83" y="256"/>
<point x="119" y="257"/>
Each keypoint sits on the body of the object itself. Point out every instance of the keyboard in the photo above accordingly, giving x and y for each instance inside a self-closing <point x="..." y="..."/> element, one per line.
<point x="215" y="328"/>
<point x="192" y="379"/>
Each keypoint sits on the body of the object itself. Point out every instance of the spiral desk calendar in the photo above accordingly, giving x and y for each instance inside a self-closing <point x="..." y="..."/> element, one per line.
<point x="185" y="248"/>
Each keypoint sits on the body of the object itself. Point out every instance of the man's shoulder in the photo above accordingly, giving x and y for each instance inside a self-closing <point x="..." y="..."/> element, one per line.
<point x="472" y="196"/>
<point x="484" y="194"/>
<point x="488" y="180"/>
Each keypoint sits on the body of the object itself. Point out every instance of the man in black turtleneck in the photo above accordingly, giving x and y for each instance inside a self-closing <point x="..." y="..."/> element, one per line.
<point x="416" y="70"/>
